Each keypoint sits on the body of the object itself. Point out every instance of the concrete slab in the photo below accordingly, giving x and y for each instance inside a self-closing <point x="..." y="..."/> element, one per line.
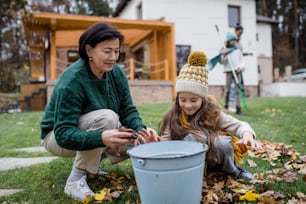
<point x="283" y="89"/>
<point x="6" y="192"/>
<point x="32" y="149"/>
<point x="8" y="163"/>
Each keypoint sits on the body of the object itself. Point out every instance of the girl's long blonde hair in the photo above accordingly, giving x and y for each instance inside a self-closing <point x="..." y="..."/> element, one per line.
<point x="204" y="121"/>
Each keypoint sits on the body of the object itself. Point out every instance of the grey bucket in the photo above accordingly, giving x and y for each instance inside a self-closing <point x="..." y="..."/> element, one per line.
<point x="169" y="171"/>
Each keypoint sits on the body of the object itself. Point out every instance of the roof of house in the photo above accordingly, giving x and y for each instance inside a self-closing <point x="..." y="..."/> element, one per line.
<point x="265" y="19"/>
<point x="133" y="30"/>
<point x="120" y="7"/>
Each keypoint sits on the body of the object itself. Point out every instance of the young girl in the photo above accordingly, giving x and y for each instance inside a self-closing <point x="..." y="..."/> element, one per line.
<point x="195" y="116"/>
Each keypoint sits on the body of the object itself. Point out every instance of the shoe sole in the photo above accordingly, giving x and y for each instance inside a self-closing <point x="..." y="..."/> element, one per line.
<point x="71" y="195"/>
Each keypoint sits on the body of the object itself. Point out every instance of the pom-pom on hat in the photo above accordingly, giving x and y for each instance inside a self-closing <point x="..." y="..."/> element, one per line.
<point x="231" y="36"/>
<point x="193" y="77"/>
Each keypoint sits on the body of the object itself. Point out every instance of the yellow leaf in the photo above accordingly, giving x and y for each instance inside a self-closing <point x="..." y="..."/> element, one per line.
<point x="100" y="195"/>
<point x="86" y="200"/>
<point x="249" y="196"/>
<point x="113" y="175"/>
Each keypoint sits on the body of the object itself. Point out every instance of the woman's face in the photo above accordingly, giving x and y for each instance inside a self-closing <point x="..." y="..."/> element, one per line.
<point x="104" y="56"/>
<point x="189" y="103"/>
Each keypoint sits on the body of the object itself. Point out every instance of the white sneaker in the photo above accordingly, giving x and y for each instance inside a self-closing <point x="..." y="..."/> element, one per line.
<point x="78" y="190"/>
<point x="245" y="174"/>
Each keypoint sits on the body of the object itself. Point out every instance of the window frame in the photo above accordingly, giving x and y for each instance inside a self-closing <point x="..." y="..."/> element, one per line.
<point x="238" y="8"/>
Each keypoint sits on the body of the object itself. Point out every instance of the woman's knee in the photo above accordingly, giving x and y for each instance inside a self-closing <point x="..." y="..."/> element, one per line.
<point x="109" y="119"/>
<point x="99" y="120"/>
<point x="51" y="146"/>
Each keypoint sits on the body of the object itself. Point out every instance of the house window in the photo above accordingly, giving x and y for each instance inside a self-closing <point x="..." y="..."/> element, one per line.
<point x="233" y="15"/>
<point x="139" y="11"/>
<point x="182" y="53"/>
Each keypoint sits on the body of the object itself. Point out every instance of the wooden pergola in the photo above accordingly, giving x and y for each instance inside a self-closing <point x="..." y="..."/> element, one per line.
<point x="60" y="31"/>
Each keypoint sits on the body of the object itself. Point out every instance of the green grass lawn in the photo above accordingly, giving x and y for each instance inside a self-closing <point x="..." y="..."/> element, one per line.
<point x="279" y="120"/>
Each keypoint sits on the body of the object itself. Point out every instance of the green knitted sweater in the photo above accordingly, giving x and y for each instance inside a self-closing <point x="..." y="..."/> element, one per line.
<point x="79" y="91"/>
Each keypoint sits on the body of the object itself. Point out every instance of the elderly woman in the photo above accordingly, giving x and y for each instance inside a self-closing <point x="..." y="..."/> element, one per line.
<point x="90" y="103"/>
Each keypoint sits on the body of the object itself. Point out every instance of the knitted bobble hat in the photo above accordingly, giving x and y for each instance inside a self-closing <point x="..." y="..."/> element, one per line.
<point x="193" y="77"/>
<point x="231" y="36"/>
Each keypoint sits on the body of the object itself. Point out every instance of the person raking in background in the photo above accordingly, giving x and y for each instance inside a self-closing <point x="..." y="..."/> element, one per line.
<point x="232" y="60"/>
<point x="89" y="109"/>
<point x="196" y="116"/>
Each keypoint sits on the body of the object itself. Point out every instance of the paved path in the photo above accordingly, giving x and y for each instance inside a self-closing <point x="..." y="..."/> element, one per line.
<point x="7" y="163"/>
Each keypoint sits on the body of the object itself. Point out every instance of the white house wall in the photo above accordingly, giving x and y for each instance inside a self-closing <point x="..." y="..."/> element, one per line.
<point x="264" y="36"/>
<point x="195" y="22"/>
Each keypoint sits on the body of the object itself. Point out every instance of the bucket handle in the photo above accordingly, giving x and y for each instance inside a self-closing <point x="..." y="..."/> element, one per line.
<point x="141" y="162"/>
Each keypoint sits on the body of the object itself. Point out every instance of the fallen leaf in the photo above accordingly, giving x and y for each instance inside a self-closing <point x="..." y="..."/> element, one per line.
<point x="131" y="188"/>
<point x="304" y="178"/>
<point x="303" y="158"/>
<point x="116" y="194"/>
<point x="250" y="196"/>
<point x="100" y="195"/>
<point x="267" y="200"/>
<point x="300" y="195"/>
<point x="86" y="200"/>
<point x="251" y="163"/>
<point x="219" y="186"/>
<point x="290" y="177"/>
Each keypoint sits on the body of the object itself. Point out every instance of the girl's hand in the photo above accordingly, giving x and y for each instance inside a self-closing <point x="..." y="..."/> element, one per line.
<point x="248" y="139"/>
<point x="146" y="136"/>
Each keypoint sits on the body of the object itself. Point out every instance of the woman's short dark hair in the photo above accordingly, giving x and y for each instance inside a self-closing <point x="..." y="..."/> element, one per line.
<point x="95" y="34"/>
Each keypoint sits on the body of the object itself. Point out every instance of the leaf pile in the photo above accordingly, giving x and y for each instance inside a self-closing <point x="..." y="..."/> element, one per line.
<point x="116" y="187"/>
<point x="217" y="187"/>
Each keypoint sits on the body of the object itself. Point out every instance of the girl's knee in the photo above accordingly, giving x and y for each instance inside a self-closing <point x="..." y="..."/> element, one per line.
<point x="226" y="145"/>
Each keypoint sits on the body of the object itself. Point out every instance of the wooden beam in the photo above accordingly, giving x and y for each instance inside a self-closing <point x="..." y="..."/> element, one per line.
<point x="53" y="76"/>
<point x="132" y="42"/>
<point x="172" y="58"/>
<point x="69" y="22"/>
<point x="68" y="38"/>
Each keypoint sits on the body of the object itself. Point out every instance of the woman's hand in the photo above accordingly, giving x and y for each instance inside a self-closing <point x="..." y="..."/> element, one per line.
<point x="248" y="139"/>
<point x="115" y="138"/>
<point x="146" y="136"/>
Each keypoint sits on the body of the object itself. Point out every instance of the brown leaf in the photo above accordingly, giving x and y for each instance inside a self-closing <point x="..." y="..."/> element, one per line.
<point x="278" y="195"/>
<point x="300" y="195"/>
<point x="290" y="177"/>
<point x="116" y="194"/>
<point x="251" y="163"/>
<point x="218" y="186"/>
<point x="131" y="188"/>
<point x="303" y="158"/>
<point x="267" y="200"/>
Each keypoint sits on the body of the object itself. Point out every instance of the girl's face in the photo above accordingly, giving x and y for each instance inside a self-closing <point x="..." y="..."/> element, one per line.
<point x="104" y="56"/>
<point x="189" y="103"/>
